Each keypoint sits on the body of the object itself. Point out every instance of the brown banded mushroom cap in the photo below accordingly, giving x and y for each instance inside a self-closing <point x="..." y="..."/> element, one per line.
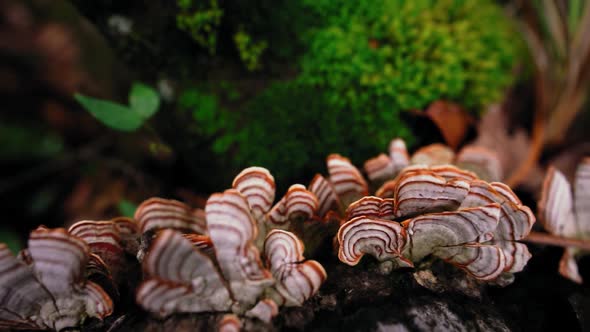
<point x="233" y="230"/>
<point x="258" y="186"/>
<point x="422" y="191"/>
<point x="430" y="231"/>
<point x="158" y="213"/>
<point x="371" y="206"/>
<point x="296" y="279"/>
<point x="346" y="179"/>
<point x="379" y="168"/>
<point x="180" y="278"/>
<point x="482" y="261"/>
<point x="383" y="239"/>
<point x="103" y="239"/>
<point x="325" y="194"/>
<point x="515" y="221"/>
<point x="298" y="205"/>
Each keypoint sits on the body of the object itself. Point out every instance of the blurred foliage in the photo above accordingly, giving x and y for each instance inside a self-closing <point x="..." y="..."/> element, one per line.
<point x="250" y="51"/>
<point x="361" y="65"/>
<point x="11" y="239"/>
<point x="365" y="64"/>
<point x="127" y="208"/>
<point x="411" y="52"/>
<point x="292" y="128"/>
<point x="209" y="119"/>
<point x="21" y="142"/>
<point x="201" y="20"/>
<point x="143" y="103"/>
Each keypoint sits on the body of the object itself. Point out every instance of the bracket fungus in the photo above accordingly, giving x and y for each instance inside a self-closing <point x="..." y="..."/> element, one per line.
<point x="565" y="211"/>
<point x="485" y="163"/>
<point x="45" y="287"/>
<point x="431" y="207"/>
<point x="157" y="213"/>
<point x="234" y="262"/>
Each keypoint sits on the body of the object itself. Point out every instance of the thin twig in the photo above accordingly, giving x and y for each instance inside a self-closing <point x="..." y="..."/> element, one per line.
<point x="558" y="241"/>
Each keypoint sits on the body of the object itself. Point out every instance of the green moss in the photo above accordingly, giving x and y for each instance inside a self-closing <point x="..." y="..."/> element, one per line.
<point x="365" y="63"/>
<point x="412" y="52"/>
<point x="200" y="20"/>
<point x="250" y="51"/>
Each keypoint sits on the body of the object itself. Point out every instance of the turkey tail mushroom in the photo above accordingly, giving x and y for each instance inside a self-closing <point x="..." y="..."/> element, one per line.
<point x="233" y="230"/>
<point x="296" y="279"/>
<point x="383" y="239"/>
<point x="448" y="229"/>
<point x="422" y="191"/>
<point x="348" y="182"/>
<point x="52" y="292"/>
<point x="180" y="278"/>
<point x="326" y="195"/>
<point x="433" y="155"/>
<point x="482" y="161"/>
<point x="371" y="206"/>
<point x="157" y="213"/>
<point x="298" y="205"/>
<point x="564" y="212"/>
<point x="258" y="187"/>
<point x="482" y="261"/>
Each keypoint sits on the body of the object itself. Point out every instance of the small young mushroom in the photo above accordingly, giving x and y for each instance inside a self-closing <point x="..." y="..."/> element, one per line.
<point x="296" y="279"/>
<point x="51" y="292"/>
<point x="566" y="212"/>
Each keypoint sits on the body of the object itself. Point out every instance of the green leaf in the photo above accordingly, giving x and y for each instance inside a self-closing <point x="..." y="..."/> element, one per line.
<point x="143" y="100"/>
<point x="127" y="208"/>
<point x="112" y="115"/>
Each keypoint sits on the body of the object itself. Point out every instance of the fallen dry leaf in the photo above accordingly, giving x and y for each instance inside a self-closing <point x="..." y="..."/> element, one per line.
<point x="452" y="121"/>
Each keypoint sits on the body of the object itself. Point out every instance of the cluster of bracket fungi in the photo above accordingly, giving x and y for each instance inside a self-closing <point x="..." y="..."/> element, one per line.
<point x="426" y="206"/>
<point x="242" y="256"/>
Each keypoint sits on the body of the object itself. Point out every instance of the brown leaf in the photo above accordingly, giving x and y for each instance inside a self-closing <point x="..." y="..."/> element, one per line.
<point x="452" y="121"/>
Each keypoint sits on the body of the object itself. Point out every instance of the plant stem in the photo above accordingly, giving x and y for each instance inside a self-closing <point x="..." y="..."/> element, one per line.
<point x="558" y="241"/>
